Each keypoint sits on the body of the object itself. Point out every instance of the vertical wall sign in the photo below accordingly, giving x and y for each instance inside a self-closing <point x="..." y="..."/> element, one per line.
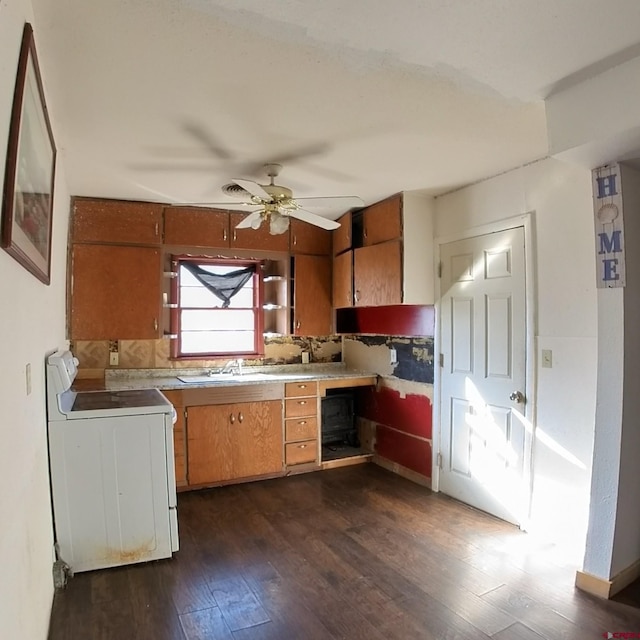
<point x="607" y="205"/>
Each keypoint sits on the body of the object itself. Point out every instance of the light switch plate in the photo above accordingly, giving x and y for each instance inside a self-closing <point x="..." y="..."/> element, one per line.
<point x="113" y="358"/>
<point x="393" y="356"/>
<point x="547" y="359"/>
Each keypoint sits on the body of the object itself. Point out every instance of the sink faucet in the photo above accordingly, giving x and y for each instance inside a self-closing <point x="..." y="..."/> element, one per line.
<point x="233" y="366"/>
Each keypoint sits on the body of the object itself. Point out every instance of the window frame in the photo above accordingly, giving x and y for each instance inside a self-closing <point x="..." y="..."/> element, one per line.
<point x="175" y="314"/>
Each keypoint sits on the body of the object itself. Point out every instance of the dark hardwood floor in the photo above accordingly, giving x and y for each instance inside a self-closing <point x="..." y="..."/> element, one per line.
<point x="351" y="553"/>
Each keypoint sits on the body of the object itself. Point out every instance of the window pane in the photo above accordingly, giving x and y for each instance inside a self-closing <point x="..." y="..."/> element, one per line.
<point x="224" y="319"/>
<point x="217" y="342"/>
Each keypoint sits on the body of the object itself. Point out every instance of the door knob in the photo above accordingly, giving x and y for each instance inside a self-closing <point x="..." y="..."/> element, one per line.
<point x="516" y="396"/>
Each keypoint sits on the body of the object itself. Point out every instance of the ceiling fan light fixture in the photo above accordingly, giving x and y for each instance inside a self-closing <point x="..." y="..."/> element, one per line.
<point x="278" y="224"/>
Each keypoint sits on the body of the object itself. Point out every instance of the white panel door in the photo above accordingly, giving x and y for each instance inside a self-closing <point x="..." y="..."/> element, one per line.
<point x="485" y="434"/>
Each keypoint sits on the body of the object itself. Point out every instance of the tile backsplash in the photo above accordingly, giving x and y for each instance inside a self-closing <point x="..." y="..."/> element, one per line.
<point x="154" y="354"/>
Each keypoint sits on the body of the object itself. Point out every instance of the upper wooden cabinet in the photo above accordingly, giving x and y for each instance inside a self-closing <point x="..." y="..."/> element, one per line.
<point x="377" y="274"/>
<point x="309" y="239"/>
<point x="258" y="239"/>
<point x="343" y="280"/>
<point x="382" y="221"/>
<point x="392" y="248"/>
<point x="312" y="311"/>
<point x="196" y="227"/>
<point x="342" y="235"/>
<point x="115" y="292"/>
<point x="116" y="221"/>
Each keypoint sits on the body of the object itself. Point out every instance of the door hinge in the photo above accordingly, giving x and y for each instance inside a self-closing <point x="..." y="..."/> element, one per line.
<point x="439" y="460"/>
<point x="441" y="359"/>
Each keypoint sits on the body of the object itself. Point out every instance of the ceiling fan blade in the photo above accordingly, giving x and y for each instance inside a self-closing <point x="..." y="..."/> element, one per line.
<point x="222" y="205"/>
<point x="312" y="218"/>
<point x="250" y="221"/>
<point x="254" y="189"/>
<point x="349" y="202"/>
<point x="208" y="139"/>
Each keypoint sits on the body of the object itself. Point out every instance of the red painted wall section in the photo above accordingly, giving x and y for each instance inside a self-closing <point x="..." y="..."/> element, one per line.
<point x="412" y="414"/>
<point x="403" y="426"/>
<point x="410" y="452"/>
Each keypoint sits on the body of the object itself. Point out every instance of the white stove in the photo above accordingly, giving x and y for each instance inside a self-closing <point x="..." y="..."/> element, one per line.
<point x="112" y="471"/>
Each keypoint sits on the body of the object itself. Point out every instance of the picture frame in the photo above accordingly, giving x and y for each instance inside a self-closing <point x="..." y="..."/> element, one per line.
<point x="27" y="202"/>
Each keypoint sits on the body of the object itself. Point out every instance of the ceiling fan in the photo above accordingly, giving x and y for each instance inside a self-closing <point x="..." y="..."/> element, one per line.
<point x="276" y="204"/>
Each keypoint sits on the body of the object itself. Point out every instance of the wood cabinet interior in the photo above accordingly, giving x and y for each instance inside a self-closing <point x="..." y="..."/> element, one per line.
<point x="343" y="280"/>
<point x="276" y="309"/>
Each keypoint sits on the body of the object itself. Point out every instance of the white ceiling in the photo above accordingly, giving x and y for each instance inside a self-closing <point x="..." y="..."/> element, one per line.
<point x="167" y="100"/>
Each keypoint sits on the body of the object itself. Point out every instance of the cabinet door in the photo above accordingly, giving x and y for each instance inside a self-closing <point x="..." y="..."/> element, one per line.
<point x="107" y="221"/>
<point x="196" y="227"/>
<point x="382" y="221"/>
<point x="256" y="238"/>
<point x="209" y="444"/>
<point x="312" y="296"/>
<point x="309" y="239"/>
<point x="115" y="292"/>
<point x="256" y="438"/>
<point x="343" y="280"/>
<point x="342" y="235"/>
<point x="377" y="275"/>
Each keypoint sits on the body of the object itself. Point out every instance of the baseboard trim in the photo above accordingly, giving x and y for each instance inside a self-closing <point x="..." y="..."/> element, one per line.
<point x="409" y="474"/>
<point x="608" y="588"/>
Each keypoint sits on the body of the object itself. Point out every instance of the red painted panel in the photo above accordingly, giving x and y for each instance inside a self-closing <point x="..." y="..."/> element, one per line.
<point x="404" y="449"/>
<point x="411" y="320"/>
<point x="412" y="414"/>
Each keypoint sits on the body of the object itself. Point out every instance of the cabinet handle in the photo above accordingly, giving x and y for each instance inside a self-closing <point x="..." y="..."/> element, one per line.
<point x="240" y="417"/>
<point x="302" y="402"/>
<point x="364" y="233"/>
<point x="356" y="296"/>
<point x="232" y="419"/>
<point x="302" y="386"/>
<point x="295" y="241"/>
<point x="224" y="235"/>
<point x="157" y="228"/>
<point x="302" y="446"/>
<point x="298" y="324"/>
<point x="302" y="422"/>
<point x="155" y="324"/>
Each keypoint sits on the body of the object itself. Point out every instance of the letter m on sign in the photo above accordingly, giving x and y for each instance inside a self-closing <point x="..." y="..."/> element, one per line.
<point x="610" y="243"/>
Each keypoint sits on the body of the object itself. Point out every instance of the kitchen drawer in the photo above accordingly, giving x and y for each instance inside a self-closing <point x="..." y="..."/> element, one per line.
<point x="296" y="389"/>
<point x="297" y="407"/>
<point x="301" y="429"/>
<point x="300" y="452"/>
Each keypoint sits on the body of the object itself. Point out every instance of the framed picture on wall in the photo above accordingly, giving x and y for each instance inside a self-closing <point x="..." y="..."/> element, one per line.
<point x="27" y="202"/>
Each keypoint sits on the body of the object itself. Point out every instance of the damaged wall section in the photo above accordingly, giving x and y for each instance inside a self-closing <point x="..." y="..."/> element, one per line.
<point x="395" y="418"/>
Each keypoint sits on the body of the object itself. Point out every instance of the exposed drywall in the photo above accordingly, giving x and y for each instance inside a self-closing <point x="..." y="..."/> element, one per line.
<point x="559" y="195"/>
<point x="32" y="324"/>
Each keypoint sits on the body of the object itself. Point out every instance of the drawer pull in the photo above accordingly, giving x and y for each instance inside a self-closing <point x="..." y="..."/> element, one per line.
<point x="302" y="446"/>
<point x="240" y="417"/>
<point x="302" y="386"/>
<point x="302" y="402"/>
<point x="302" y="422"/>
<point x="232" y="419"/>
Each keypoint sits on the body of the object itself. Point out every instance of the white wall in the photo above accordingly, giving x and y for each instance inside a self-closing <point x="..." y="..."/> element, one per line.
<point x="31" y="324"/>
<point x="559" y="194"/>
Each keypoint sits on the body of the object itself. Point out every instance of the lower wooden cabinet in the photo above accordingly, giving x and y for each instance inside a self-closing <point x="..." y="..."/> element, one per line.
<point x="234" y="441"/>
<point x="301" y="424"/>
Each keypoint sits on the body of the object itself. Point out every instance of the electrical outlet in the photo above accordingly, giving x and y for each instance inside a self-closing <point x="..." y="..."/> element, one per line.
<point x="547" y="358"/>
<point x="305" y="357"/>
<point x="114" y="358"/>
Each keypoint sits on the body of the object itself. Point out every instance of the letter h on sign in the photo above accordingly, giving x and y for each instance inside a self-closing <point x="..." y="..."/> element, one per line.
<point x="607" y="205"/>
